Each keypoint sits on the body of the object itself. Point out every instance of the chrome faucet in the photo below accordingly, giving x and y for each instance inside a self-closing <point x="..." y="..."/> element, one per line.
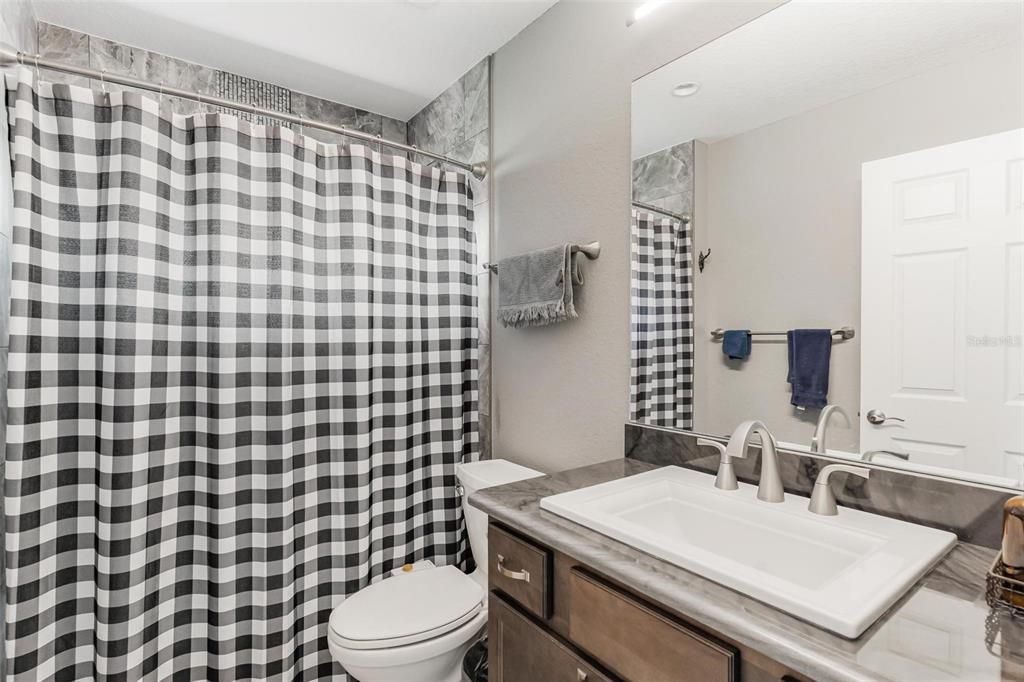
<point x="818" y="441"/>
<point x="769" y="488"/>
<point x="823" y="500"/>
<point x="726" y="478"/>
<point x="871" y="454"/>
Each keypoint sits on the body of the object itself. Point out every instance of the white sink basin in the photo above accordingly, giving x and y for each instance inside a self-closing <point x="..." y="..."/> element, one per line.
<point x="839" y="572"/>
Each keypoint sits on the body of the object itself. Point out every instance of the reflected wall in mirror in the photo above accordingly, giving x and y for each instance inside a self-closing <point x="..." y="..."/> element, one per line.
<point x="869" y="176"/>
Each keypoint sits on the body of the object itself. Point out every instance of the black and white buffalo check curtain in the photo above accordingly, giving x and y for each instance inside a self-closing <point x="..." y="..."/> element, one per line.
<point x="661" y="322"/>
<point x="243" y="367"/>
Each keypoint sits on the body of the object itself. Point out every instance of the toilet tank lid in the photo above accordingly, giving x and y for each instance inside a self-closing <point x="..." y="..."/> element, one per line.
<point x="491" y="472"/>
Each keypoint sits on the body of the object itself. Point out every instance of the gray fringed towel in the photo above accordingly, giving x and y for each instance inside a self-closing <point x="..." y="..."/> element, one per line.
<point x="535" y="289"/>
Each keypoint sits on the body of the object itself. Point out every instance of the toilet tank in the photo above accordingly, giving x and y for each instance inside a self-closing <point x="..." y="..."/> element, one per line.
<point x="476" y="475"/>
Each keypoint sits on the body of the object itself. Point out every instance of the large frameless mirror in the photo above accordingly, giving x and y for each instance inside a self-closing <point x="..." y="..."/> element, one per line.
<point x="829" y="237"/>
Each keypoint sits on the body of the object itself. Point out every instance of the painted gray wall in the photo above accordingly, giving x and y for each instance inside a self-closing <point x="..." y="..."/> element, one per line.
<point x="561" y="94"/>
<point x="782" y="217"/>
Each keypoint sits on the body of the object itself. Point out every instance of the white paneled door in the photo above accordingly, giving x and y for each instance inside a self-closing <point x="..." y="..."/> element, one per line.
<point x="942" y="305"/>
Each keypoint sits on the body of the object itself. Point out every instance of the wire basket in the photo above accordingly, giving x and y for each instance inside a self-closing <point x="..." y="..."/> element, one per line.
<point x="1002" y="592"/>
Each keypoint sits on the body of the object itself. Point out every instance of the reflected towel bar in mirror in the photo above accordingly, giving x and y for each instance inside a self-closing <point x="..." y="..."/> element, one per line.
<point x="844" y="333"/>
<point x="591" y="250"/>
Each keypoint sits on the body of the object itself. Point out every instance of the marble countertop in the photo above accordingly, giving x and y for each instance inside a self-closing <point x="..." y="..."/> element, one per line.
<point x="937" y="631"/>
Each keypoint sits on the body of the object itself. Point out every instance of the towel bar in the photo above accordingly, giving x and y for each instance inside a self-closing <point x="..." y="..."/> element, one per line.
<point x="592" y="251"/>
<point x="844" y="333"/>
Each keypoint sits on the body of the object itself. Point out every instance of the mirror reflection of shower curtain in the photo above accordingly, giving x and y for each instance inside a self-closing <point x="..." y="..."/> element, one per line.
<point x="243" y="368"/>
<point x="661" y="321"/>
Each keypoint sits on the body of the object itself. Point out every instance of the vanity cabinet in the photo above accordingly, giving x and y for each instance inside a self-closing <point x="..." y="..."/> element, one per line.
<point x="554" y="618"/>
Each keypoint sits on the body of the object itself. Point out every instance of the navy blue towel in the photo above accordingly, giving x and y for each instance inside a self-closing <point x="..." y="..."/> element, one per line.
<point x="809" y="353"/>
<point x="736" y="344"/>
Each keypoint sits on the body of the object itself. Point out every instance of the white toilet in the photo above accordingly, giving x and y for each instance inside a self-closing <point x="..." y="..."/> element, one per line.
<point x="416" y="627"/>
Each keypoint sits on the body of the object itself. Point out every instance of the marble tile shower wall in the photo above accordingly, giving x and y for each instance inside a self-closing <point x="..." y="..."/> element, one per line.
<point x="66" y="45"/>
<point x="665" y="179"/>
<point x="457" y="124"/>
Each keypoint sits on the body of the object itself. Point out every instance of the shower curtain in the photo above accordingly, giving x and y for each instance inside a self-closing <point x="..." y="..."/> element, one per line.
<point x="243" y="367"/>
<point x="661" y="321"/>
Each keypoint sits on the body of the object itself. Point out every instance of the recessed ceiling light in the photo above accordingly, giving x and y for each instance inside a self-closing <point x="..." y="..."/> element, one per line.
<point x="686" y="89"/>
<point x="645" y="9"/>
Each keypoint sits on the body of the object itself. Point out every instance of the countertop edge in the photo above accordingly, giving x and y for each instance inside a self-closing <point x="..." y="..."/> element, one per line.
<point x="727" y="621"/>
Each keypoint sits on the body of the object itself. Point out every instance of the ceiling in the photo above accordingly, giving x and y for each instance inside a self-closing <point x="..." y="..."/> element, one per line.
<point x="391" y="57"/>
<point x="808" y="53"/>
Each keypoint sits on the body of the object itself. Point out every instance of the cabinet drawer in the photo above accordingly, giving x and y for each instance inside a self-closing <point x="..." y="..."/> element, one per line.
<point x="521" y="570"/>
<point x="521" y="651"/>
<point x="639" y="643"/>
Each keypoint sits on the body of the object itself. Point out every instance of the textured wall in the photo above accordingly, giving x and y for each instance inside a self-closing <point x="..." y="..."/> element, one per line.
<point x="457" y="124"/>
<point x="561" y="93"/>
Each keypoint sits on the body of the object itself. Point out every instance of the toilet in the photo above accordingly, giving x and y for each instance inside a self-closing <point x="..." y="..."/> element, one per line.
<point x="417" y="626"/>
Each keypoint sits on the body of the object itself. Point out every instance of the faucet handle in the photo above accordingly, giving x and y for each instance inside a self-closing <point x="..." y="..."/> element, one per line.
<point x="708" y="443"/>
<point x="823" y="500"/>
<point x="726" y="478"/>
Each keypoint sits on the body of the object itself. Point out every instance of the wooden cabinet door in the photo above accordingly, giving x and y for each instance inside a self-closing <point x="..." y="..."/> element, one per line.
<point x="520" y="651"/>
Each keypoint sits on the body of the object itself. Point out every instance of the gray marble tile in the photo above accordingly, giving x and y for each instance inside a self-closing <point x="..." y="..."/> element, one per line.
<point x="439" y="127"/>
<point x="482" y="233"/>
<point x="476" y="90"/>
<point x="485" y="437"/>
<point x="151" y="66"/>
<point x="335" y="113"/>
<point x="664" y="173"/>
<point x="64" y="45"/>
<point x="941" y="625"/>
<point x="473" y="150"/>
<point x="677" y="203"/>
<point x="394" y="130"/>
<point x="973" y="512"/>
<point x="484" y="384"/>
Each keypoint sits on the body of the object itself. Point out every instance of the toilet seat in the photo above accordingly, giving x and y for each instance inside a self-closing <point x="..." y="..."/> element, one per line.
<point x="406" y="609"/>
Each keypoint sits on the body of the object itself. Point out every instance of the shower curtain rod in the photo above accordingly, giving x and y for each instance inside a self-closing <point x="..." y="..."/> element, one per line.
<point x="681" y="217"/>
<point x="10" y="56"/>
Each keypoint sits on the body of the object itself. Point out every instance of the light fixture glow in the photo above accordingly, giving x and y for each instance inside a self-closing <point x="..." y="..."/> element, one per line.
<point x="686" y="89"/>
<point x="645" y="9"/>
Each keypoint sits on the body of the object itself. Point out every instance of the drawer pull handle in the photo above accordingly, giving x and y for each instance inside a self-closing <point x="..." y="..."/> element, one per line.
<point x="581" y="676"/>
<point x="523" y="575"/>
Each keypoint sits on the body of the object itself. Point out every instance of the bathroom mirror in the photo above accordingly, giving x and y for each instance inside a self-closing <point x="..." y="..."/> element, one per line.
<point x="867" y="180"/>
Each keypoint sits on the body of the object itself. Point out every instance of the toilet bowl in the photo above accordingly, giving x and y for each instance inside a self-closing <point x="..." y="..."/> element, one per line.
<point x="417" y="626"/>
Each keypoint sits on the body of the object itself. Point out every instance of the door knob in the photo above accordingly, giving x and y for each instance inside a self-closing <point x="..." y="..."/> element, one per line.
<point x="877" y="417"/>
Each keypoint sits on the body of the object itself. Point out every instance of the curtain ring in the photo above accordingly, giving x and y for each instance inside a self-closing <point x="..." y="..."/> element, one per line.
<point x="37" y="69"/>
<point x="103" y="80"/>
<point x="380" y="144"/>
<point x="300" y="126"/>
<point x="160" y="97"/>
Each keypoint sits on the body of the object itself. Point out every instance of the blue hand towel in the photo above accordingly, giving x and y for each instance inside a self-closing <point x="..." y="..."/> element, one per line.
<point x="736" y="344"/>
<point x="809" y="353"/>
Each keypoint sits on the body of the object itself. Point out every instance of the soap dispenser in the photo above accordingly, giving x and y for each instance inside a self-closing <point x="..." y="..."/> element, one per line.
<point x="1013" y="546"/>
